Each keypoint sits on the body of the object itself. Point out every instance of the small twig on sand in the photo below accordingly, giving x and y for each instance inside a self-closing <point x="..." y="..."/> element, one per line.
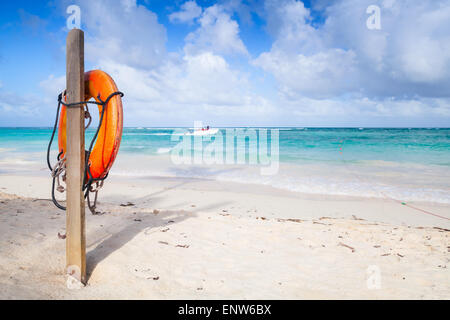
<point x="347" y="246"/>
<point x="290" y="220"/>
<point x="442" y="229"/>
<point x="128" y="204"/>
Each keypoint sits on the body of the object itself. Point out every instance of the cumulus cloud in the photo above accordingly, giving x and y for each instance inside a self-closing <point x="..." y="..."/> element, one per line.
<point x="53" y="85"/>
<point x="217" y="33"/>
<point x="192" y="87"/>
<point x="365" y="108"/>
<point x="189" y="11"/>
<point x="336" y="72"/>
<point x="26" y="109"/>
<point x="162" y="86"/>
<point x="128" y="32"/>
<point x="20" y="109"/>
<point x="300" y="59"/>
<point x="323" y="74"/>
<point x="409" y="56"/>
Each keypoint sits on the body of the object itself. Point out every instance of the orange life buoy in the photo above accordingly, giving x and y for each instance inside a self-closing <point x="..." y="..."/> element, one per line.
<point x="99" y="84"/>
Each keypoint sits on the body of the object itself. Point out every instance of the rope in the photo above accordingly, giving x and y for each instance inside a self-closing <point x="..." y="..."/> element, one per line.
<point x="60" y="167"/>
<point x="421" y="210"/>
<point x="87" y="115"/>
<point x="388" y="197"/>
<point x="53" y="133"/>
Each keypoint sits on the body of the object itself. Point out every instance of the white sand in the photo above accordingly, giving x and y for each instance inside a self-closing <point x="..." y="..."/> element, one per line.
<point x="222" y="240"/>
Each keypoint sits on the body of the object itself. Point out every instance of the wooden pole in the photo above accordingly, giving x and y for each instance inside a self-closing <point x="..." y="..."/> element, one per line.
<point x="75" y="224"/>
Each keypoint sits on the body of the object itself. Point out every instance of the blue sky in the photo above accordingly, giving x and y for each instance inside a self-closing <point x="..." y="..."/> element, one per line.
<point x="237" y="62"/>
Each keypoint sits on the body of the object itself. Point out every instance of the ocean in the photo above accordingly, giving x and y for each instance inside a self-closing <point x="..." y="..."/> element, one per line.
<point x="407" y="164"/>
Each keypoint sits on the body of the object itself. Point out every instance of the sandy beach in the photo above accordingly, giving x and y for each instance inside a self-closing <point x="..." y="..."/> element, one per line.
<point x="179" y="238"/>
<point x="271" y="149"/>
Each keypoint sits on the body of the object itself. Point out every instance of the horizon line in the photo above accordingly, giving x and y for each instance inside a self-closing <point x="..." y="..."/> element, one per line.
<point x="225" y="127"/>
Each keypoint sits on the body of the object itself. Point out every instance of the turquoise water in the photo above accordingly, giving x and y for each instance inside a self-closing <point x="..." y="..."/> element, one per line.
<point x="423" y="146"/>
<point x="403" y="164"/>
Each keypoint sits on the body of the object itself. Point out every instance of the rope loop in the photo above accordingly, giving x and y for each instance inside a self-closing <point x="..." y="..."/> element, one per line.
<point x="60" y="167"/>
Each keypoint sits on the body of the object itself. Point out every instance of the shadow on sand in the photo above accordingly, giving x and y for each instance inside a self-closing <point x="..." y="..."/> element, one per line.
<point x="147" y="220"/>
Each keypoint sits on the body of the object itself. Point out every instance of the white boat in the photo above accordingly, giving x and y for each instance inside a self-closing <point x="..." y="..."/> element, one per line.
<point x="200" y="132"/>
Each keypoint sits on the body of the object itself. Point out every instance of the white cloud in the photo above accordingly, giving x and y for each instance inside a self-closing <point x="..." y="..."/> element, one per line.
<point x="326" y="73"/>
<point x="422" y="47"/>
<point x="335" y="72"/>
<point x="288" y="22"/>
<point x="25" y="109"/>
<point x="15" y="106"/>
<point x="162" y="87"/>
<point x="52" y="86"/>
<point x="186" y="89"/>
<point x="183" y="87"/>
<point x="217" y="33"/>
<point x="338" y="73"/>
<point x="410" y="53"/>
<point x="189" y="11"/>
<point x="365" y="108"/>
<point x="409" y="56"/>
<point x="300" y="59"/>
<point x="124" y="30"/>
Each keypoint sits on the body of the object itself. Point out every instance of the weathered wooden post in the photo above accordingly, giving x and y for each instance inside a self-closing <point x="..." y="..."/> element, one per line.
<point x="75" y="220"/>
